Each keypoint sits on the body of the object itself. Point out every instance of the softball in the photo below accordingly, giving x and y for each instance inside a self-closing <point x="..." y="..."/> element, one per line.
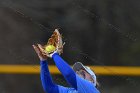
<point x="50" y="48"/>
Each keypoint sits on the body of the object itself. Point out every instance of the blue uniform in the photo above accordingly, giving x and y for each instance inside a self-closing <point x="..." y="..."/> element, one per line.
<point x="78" y="84"/>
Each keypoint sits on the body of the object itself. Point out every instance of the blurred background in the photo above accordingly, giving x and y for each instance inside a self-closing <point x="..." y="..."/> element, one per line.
<point x="96" y="32"/>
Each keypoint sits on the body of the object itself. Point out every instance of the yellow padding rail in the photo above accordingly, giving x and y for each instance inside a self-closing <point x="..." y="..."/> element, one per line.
<point x="100" y="70"/>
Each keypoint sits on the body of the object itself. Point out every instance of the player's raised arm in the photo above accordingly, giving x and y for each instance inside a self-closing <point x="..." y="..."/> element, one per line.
<point x="46" y="79"/>
<point x="52" y="49"/>
<point x="66" y="70"/>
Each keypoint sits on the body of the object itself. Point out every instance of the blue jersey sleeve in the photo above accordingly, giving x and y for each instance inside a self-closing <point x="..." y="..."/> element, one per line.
<point x="66" y="70"/>
<point x="47" y="82"/>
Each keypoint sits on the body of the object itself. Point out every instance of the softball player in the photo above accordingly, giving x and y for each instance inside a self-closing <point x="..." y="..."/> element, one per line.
<point x="81" y="78"/>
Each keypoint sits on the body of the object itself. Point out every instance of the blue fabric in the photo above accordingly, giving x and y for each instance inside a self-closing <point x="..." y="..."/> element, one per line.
<point x="47" y="83"/>
<point x="66" y="70"/>
<point x="66" y="90"/>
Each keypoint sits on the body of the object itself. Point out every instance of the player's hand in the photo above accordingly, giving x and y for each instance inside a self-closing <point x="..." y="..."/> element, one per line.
<point x="39" y="50"/>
